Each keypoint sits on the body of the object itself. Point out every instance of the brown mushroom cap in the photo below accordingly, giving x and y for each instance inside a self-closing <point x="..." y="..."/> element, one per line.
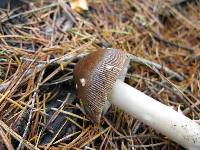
<point x="94" y="77"/>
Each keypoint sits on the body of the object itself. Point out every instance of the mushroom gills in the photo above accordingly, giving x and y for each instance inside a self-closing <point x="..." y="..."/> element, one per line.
<point x="100" y="70"/>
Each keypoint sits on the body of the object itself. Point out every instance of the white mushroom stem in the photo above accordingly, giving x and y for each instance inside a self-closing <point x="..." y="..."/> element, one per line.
<point x="160" y="117"/>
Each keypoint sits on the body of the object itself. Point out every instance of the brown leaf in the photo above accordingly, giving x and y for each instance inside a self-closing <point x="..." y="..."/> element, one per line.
<point x="79" y="5"/>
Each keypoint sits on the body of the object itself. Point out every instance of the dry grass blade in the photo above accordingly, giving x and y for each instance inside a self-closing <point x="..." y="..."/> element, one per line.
<point x="6" y="140"/>
<point x="49" y="144"/>
<point x="17" y="136"/>
<point x="70" y="114"/>
<point x="94" y="137"/>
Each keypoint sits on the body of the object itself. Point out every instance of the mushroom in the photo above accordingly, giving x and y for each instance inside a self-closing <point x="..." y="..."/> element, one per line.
<point x="99" y="81"/>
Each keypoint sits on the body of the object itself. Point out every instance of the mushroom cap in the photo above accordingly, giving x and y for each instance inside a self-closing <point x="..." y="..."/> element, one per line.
<point x="94" y="76"/>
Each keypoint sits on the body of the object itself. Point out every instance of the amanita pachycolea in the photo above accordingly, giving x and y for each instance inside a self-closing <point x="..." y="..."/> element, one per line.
<point x="99" y="81"/>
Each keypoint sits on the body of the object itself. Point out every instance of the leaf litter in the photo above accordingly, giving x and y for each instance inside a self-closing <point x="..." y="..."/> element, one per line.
<point x="40" y="43"/>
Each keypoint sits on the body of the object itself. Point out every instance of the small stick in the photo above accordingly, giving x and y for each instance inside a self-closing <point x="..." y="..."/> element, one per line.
<point x="6" y="140"/>
<point x="17" y="136"/>
<point x="31" y="111"/>
<point x="157" y="66"/>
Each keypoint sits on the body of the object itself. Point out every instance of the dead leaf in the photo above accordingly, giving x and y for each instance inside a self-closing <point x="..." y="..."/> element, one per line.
<point x="79" y="5"/>
<point x="197" y="53"/>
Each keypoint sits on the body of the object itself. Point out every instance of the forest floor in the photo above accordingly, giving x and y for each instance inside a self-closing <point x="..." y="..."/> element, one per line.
<point x="40" y="44"/>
